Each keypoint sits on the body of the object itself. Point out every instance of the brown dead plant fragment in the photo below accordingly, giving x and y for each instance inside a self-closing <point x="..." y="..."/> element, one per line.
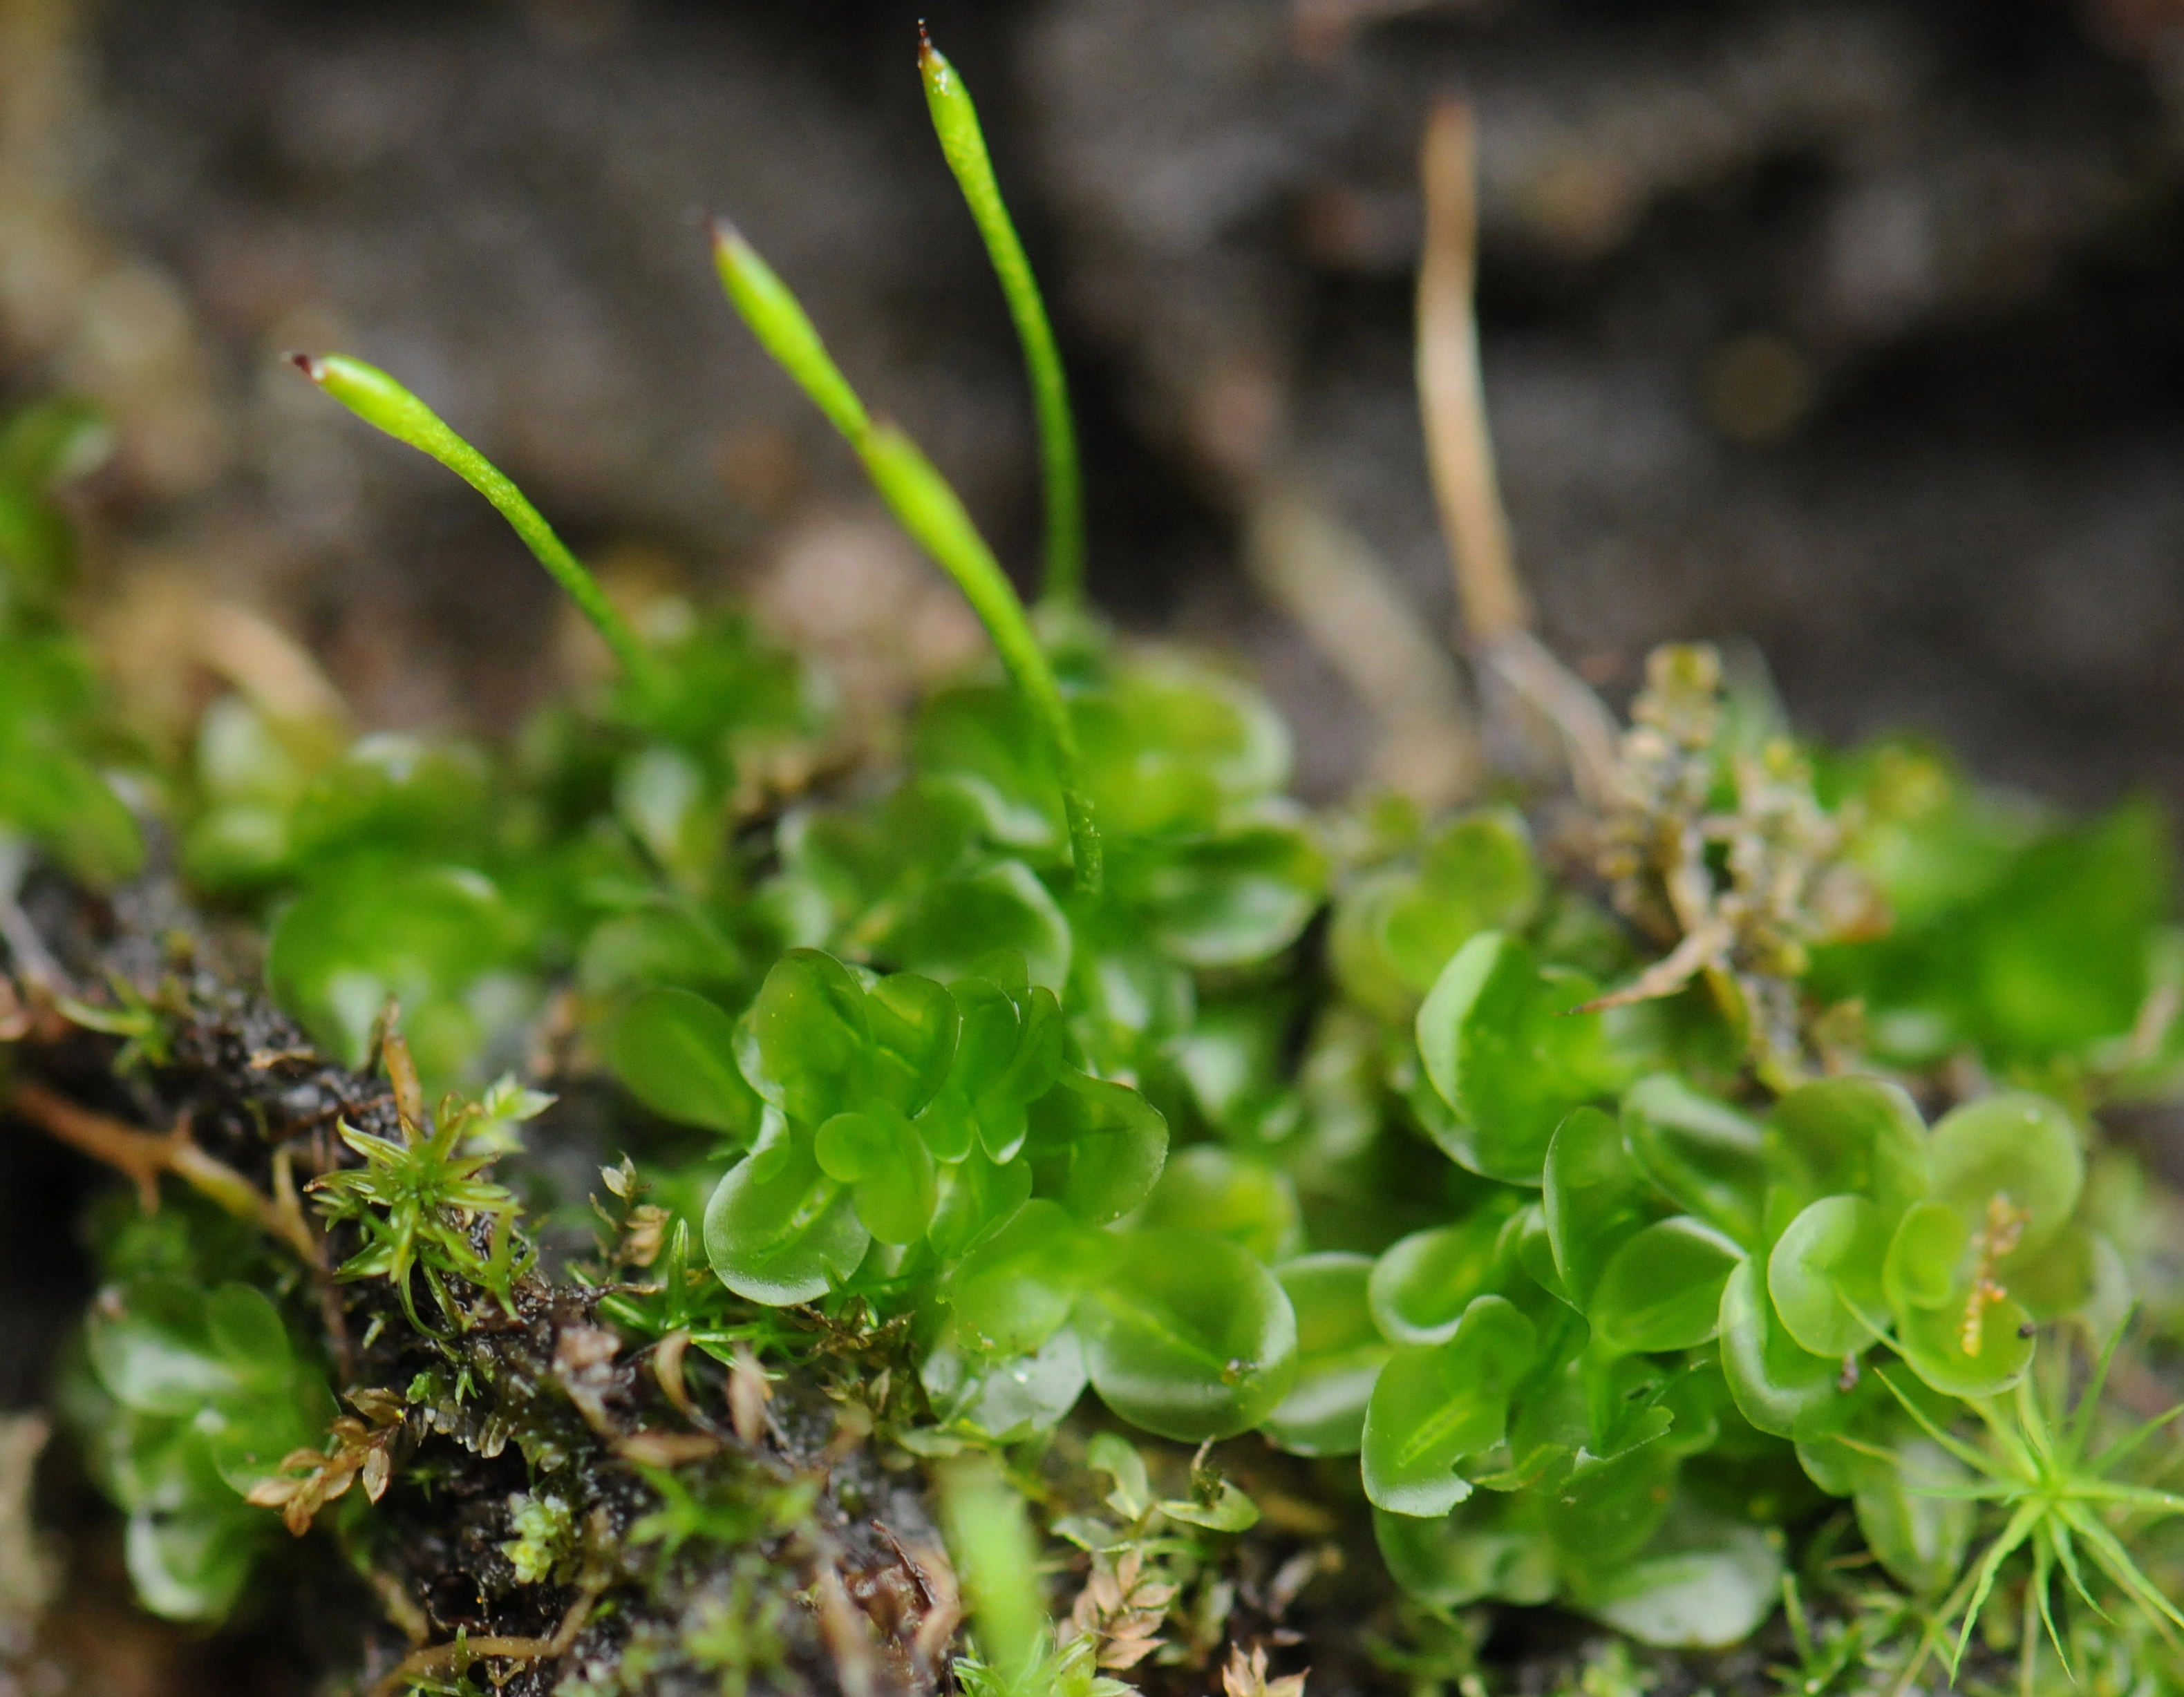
<point x="1993" y="1243"/>
<point x="450" y="1662"/>
<point x="1246" y="1676"/>
<point x="361" y="1450"/>
<point x="1122" y="1608"/>
<point x="1743" y="892"/>
<point x="1460" y="453"/>
<point x="141" y="1156"/>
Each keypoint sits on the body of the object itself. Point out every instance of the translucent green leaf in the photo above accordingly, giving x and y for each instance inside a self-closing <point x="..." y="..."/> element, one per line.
<point x="1593" y="1199"/>
<point x="810" y="1035"/>
<point x="1852" y="1137"/>
<point x="1661" y="1289"/>
<point x="1096" y="1148"/>
<point x="1189" y="1337"/>
<point x="785" y="1238"/>
<point x="957" y="920"/>
<point x="1422" y="1285"/>
<point x="1701" y="1151"/>
<point x="151" y="1349"/>
<point x="390" y="791"/>
<point x="1339" y="1355"/>
<point x="431" y="936"/>
<point x="676" y="1053"/>
<point x="1508" y="1056"/>
<point x="1210" y="1189"/>
<point x="192" y="1567"/>
<point x="1230" y="1510"/>
<point x="1008" y="1399"/>
<point x="1933" y="1339"/>
<point x="1434" y="1405"/>
<point x="1824" y="1276"/>
<point x="1016" y="1289"/>
<point x="914" y="1023"/>
<point x="1780" y="1387"/>
<point x="1704" y="1582"/>
<point x="1490" y="1548"/>
<point x="1918" y="1532"/>
<point x="1924" y="1267"/>
<point x="976" y="1195"/>
<point x="1225" y="898"/>
<point x="889" y="1170"/>
<point x="1401" y="928"/>
<point x="2019" y="1148"/>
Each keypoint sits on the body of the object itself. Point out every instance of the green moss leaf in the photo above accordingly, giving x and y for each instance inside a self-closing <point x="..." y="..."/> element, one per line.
<point x="1339" y="1355"/>
<point x="1661" y="1289"/>
<point x="1190" y="1336"/>
<point x="1508" y="1056"/>
<point x="1824" y="1276"/>
<point x="787" y="1238"/>
<point x="676" y="1053"/>
<point x="1434" y="1405"/>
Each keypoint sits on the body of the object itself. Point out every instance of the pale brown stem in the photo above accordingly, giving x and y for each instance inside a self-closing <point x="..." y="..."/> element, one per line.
<point x="1451" y="394"/>
<point x="422" y="1665"/>
<point x="143" y="1156"/>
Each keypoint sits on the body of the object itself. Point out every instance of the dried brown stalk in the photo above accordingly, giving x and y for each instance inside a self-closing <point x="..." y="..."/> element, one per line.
<point x="143" y="1156"/>
<point x="1497" y="616"/>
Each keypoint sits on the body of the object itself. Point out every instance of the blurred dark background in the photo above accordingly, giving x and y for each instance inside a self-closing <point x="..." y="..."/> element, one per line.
<point x="1856" y="328"/>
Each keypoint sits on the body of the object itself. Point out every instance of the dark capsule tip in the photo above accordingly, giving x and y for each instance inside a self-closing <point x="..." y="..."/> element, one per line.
<point x="309" y="364"/>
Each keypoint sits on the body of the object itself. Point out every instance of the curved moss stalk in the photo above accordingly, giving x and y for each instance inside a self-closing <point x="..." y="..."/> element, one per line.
<point x="924" y="504"/>
<point x="385" y="404"/>
<point x="963" y="144"/>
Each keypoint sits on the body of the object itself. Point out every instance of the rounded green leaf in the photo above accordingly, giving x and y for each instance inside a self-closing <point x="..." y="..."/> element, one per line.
<point x="1097" y="1147"/>
<point x="1422" y="1285"/>
<point x="1434" y="1405"/>
<point x="431" y="936"/>
<point x="1704" y="1582"/>
<point x="676" y="1053"/>
<point x="151" y="1349"/>
<point x="890" y="1171"/>
<point x="1919" y="1531"/>
<point x="785" y="1238"/>
<point x="1505" y="1054"/>
<point x="1700" y="1152"/>
<point x="1999" y="1334"/>
<point x="955" y="921"/>
<point x="1339" y="1355"/>
<point x="1189" y="1337"/>
<point x="1824" y="1276"/>
<point x="1661" y="1290"/>
<point x="1852" y="1137"/>
<point x="1016" y="1289"/>
<point x="1009" y="1400"/>
<point x="914" y="1023"/>
<point x="1210" y="1189"/>
<point x="1489" y="1549"/>
<point x="189" y="1566"/>
<point x="976" y="1195"/>
<point x="1593" y="1199"/>
<point x="1223" y="900"/>
<point x="1926" y="1257"/>
<point x="2020" y="1148"/>
<point x="810" y="1035"/>
<point x="1779" y="1387"/>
